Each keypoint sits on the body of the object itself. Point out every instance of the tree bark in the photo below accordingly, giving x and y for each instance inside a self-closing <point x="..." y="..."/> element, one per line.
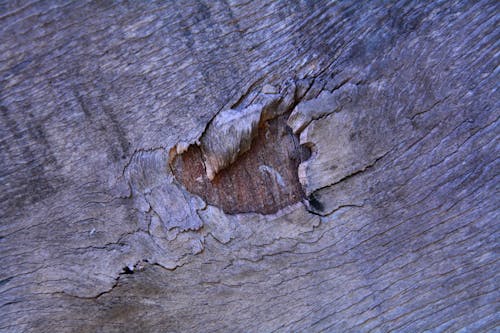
<point x="391" y="223"/>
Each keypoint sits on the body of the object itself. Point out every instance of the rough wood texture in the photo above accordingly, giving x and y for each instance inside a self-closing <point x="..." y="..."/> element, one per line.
<point x="397" y="100"/>
<point x="262" y="180"/>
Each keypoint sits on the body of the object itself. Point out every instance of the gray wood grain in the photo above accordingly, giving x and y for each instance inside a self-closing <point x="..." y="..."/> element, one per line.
<point x="400" y="230"/>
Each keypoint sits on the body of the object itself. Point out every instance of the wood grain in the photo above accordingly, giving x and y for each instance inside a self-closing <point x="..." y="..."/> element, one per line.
<point x="98" y="235"/>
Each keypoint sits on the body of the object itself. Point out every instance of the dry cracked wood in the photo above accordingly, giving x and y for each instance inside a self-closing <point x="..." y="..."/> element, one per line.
<point x="397" y="101"/>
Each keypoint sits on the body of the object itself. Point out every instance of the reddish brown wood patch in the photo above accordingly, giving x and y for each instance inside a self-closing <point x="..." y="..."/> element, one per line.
<point x="263" y="180"/>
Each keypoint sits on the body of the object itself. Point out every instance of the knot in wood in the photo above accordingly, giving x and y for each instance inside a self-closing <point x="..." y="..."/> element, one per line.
<point x="263" y="180"/>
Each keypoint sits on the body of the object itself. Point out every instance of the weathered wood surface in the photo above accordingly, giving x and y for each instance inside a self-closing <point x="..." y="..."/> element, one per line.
<point x="397" y="101"/>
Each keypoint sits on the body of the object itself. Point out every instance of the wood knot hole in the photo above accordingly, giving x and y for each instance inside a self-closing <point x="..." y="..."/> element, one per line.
<point x="262" y="180"/>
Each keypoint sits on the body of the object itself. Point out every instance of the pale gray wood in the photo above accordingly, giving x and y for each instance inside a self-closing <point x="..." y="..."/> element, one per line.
<point x="398" y="234"/>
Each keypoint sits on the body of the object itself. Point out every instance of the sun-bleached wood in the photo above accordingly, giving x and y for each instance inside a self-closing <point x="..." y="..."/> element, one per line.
<point x="397" y="100"/>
